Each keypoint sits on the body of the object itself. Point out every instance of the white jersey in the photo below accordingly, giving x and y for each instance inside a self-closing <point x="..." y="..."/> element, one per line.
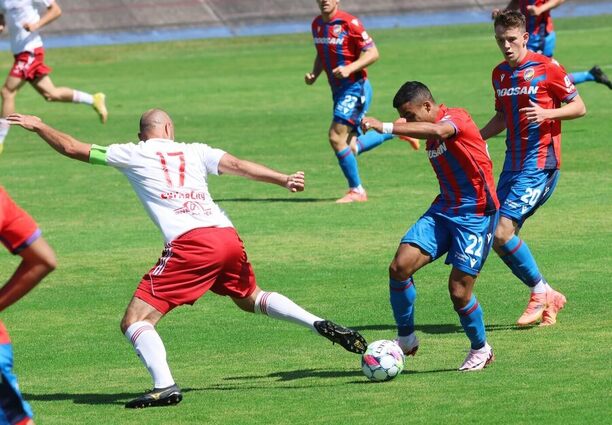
<point x="19" y="12"/>
<point x="170" y="180"/>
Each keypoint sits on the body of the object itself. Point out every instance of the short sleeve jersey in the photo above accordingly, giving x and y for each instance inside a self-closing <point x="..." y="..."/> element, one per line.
<point x="170" y="179"/>
<point x="543" y="81"/>
<point x="340" y="42"/>
<point x="463" y="167"/>
<point x="17" y="229"/>
<point x="538" y="25"/>
<point x="19" y="12"/>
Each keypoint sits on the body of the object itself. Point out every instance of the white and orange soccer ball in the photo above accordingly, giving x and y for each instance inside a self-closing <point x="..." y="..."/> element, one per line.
<point x="383" y="360"/>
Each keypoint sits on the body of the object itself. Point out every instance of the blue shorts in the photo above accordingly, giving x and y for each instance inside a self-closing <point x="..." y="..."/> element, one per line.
<point x="466" y="238"/>
<point x="521" y="193"/>
<point x="13" y="408"/>
<point x="543" y="44"/>
<point x="351" y="103"/>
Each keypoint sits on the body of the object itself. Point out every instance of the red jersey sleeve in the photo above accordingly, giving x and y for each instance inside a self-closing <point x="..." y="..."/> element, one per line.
<point x="498" y="103"/>
<point x="358" y="33"/>
<point x="559" y="83"/>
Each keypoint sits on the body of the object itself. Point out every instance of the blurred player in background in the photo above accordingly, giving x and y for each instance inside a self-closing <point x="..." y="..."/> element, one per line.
<point x="460" y="222"/>
<point x="202" y="252"/>
<point x="23" y="22"/>
<point x="344" y="50"/>
<point x="529" y="90"/>
<point x="21" y="236"/>
<point x="542" y="36"/>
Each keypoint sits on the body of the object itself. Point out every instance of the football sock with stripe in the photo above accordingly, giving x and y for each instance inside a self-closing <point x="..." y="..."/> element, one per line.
<point x="370" y="140"/>
<point x="82" y="97"/>
<point x="150" y="348"/>
<point x="402" y="296"/>
<point x="518" y="257"/>
<point x="581" y="77"/>
<point x="280" y="307"/>
<point x="348" y="164"/>
<point x="471" y="319"/>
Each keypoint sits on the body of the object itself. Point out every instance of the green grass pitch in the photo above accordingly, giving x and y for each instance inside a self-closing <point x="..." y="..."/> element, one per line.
<point x="247" y="96"/>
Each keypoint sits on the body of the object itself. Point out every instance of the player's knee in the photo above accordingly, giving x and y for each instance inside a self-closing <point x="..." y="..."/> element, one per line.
<point x="398" y="271"/>
<point x="503" y="233"/>
<point x="125" y="324"/>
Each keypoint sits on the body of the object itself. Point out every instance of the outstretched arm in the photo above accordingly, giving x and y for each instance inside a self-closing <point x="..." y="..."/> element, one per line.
<point x="496" y="125"/>
<point x="420" y="130"/>
<point x="229" y="164"/>
<point x="38" y="260"/>
<point x="51" y="14"/>
<point x="61" y="142"/>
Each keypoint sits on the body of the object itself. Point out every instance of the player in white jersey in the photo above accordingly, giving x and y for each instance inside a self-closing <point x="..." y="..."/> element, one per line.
<point x="203" y="251"/>
<point x="23" y="21"/>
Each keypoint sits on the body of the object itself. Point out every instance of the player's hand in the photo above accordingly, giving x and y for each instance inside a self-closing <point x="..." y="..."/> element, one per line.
<point x="371" y="123"/>
<point x="295" y="182"/>
<point x="494" y="13"/>
<point x="341" y="72"/>
<point x="33" y="26"/>
<point x="535" y="113"/>
<point x="310" y="78"/>
<point x="29" y="122"/>
<point x="1" y="28"/>
<point x="533" y="10"/>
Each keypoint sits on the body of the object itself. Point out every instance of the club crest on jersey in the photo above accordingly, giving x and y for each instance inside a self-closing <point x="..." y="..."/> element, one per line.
<point x="336" y="30"/>
<point x="528" y="74"/>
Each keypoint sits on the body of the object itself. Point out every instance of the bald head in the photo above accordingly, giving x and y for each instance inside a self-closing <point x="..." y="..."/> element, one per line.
<point x="156" y="123"/>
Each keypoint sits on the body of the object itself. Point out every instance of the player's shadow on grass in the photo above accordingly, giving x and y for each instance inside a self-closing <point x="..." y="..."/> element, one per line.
<point x="296" y="200"/>
<point x="446" y="328"/>
<point x="292" y="375"/>
<point x="87" y="398"/>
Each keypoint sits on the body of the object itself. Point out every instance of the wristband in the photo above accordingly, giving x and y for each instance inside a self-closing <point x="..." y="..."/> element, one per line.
<point x="387" y="128"/>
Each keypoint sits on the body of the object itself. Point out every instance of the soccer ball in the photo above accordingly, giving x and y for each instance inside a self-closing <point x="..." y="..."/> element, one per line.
<point x="383" y="360"/>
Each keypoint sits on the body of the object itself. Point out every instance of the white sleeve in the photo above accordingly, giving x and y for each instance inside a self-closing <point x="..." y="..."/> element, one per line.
<point x="120" y="155"/>
<point x="210" y="158"/>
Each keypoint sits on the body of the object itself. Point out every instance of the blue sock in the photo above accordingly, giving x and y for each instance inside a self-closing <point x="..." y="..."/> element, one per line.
<point x="518" y="257"/>
<point x="581" y="77"/>
<point x="348" y="164"/>
<point x="470" y="317"/>
<point x="402" y="296"/>
<point x="370" y="140"/>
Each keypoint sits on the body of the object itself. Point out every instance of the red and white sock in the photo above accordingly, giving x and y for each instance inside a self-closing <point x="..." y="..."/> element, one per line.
<point x="81" y="97"/>
<point x="280" y="307"/>
<point x="150" y="348"/>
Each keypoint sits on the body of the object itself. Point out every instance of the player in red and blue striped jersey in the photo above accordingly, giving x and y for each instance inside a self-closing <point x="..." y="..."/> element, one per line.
<point x="344" y="50"/>
<point x="529" y="90"/>
<point x="21" y="236"/>
<point x="542" y="36"/>
<point x="460" y="222"/>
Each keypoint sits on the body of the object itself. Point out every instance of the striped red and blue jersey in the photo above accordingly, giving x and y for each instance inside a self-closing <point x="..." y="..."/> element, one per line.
<point x="543" y="81"/>
<point x="537" y="25"/>
<point x="4" y="336"/>
<point x="463" y="167"/>
<point x="340" y="42"/>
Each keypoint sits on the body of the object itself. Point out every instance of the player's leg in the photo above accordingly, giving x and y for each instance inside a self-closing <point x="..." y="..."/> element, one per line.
<point x="421" y="244"/>
<point x="44" y="85"/>
<point x="521" y="194"/>
<point x="8" y="92"/>
<point x="472" y="239"/>
<point x="365" y="142"/>
<point x="460" y="286"/>
<point x="340" y="135"/>
<point x="280" y="307"/>
<point x="138" y="326"/>
<point x="594" y="74"/>
<point x="13" y="408"/>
